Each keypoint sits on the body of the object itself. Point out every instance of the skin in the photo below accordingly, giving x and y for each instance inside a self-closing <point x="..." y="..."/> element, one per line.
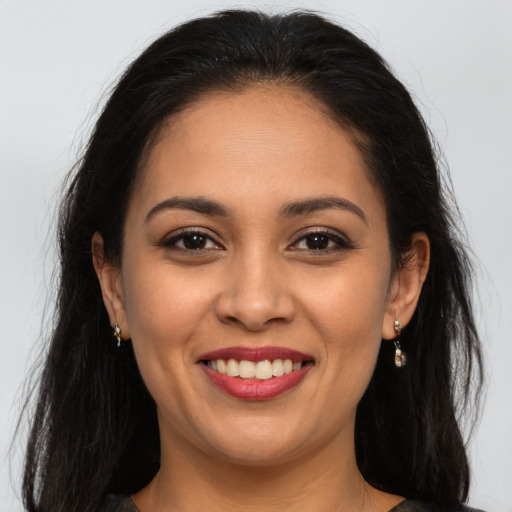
<point x="256" y="283"/>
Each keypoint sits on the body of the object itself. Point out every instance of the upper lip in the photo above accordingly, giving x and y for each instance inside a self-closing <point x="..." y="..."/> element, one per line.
<point x="256" y="354"/>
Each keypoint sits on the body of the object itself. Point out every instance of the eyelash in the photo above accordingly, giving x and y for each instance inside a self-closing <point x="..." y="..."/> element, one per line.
<point x="171" y="243"/>
<point x="340" y="241"/>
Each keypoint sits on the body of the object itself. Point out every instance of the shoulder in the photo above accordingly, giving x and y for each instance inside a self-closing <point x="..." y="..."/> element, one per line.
<point x="117" y="503"/>
<point x="423" y="506"/>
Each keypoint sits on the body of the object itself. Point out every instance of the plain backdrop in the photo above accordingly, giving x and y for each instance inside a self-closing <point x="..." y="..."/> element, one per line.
<point x="57" y="61"/>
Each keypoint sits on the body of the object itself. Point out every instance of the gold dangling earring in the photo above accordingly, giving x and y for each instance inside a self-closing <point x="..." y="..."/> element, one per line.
<point x="117" y="334"/>
<point x="400" y="358"/>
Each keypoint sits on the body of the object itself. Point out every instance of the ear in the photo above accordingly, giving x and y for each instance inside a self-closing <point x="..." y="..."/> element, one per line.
<point x="109" y="276"/>
<point x="406" y="284"/>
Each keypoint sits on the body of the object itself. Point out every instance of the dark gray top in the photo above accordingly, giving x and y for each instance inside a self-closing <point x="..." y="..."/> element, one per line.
<point x="118" y="503"/>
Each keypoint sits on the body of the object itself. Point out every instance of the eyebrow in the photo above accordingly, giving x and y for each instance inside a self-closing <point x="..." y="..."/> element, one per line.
<point x="315" y="204"/>
<point x="293" y="209"/>
<point x="195" y="204"/>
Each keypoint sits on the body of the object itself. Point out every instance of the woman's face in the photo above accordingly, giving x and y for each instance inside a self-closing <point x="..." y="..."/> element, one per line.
<point x="254" y="234"/>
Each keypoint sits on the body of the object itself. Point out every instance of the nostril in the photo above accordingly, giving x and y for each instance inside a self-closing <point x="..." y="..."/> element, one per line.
<point x="253" y="300"/>
<point x="255" y="315"/>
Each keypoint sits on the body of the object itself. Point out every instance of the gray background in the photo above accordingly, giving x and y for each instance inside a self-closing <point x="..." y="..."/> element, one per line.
<point x="58" y="58"/>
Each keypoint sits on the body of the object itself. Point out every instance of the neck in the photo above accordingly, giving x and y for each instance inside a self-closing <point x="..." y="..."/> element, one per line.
<point x="329" y="479"/>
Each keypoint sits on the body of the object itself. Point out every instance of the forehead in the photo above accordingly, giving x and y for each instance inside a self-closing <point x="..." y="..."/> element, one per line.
<point x="261" y="143"/>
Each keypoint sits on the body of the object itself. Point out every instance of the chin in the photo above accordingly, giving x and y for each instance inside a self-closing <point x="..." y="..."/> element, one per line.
<point x="263" y="442"/>
<point x="254" y="454"/>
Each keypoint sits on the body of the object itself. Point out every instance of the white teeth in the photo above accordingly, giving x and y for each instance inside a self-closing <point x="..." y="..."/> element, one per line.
<point x="232" y="369"/>
<point x="247" y="369"/>
<point x="261" y="370"/>
<point x="277" y="368"/>
<point x="221" y="366"/>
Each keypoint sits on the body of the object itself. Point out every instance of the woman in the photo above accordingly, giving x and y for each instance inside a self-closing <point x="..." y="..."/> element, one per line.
<point x="264" y="303"/>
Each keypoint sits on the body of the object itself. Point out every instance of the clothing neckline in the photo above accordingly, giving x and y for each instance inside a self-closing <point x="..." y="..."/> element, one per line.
<point x="396" y="508"/>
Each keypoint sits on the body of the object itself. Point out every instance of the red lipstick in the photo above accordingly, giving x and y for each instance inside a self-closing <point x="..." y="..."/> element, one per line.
<point x="256" y="354"/>
<point x="253" y="388"/>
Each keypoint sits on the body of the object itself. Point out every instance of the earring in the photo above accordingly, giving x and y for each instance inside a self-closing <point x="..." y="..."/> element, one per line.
<point x="117" y="334"/>
<point x="400" y="358"/>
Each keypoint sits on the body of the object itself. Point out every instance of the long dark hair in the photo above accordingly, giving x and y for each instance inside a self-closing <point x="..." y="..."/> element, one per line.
<point x="94" y="428"/>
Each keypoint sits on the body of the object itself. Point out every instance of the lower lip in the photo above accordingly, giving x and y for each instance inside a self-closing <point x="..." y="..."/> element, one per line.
<point x="252" y="389"/>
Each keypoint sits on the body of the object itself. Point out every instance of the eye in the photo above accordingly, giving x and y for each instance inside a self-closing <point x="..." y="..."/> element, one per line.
<point x="321" y="241"/>
<point x="191" y="240"/>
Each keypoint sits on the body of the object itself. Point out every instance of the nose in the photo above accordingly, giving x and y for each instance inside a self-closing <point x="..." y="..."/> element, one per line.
<point x="256" y="294"/>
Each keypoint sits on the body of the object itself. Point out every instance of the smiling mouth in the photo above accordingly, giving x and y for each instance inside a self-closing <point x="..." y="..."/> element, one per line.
<point x="255" y="370"/>
<point x="256" y="373"/>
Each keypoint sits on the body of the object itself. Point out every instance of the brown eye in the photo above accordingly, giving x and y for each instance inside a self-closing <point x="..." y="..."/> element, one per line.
<point x="321" y="242"/>
<point x="317" y="242"/>
<point x="194" y="241"/>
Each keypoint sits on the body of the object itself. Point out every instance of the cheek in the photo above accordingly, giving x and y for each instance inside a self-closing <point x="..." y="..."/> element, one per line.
<point x="351" y="305"/>
<point x="163" y="311"/>
<point x="348" y="312"/>
<point x="163" y="307"/>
